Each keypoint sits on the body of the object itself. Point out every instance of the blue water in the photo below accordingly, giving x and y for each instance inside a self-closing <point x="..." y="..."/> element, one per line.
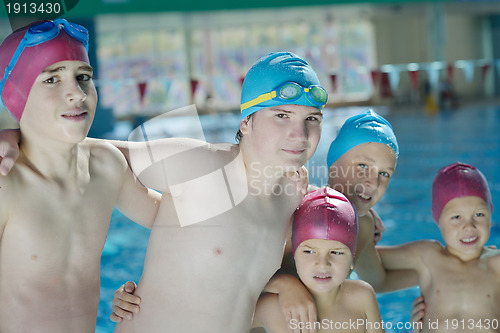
<point x="427" y="143"/>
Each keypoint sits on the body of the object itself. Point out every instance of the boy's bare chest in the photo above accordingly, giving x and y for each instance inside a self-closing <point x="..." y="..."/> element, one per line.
<point x="57" y="235"/>
<point x="244" y="245"/>
<point x="240" y="230"/>
<point x="66" y="198"/>
<point x="458" y="288"/>
<point x="54" y="218"/>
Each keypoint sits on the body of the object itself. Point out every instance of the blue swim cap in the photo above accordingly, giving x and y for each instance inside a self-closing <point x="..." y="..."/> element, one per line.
<point x="269" y="72"/>
<point x="361" y="128"/>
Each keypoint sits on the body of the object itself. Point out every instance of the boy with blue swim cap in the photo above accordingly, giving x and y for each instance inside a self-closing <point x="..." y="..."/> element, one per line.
<point x="280" y="78"/>
<point x="361" y="161"/>
<point x="362" y="128"/>
<point x="241" y="244"/>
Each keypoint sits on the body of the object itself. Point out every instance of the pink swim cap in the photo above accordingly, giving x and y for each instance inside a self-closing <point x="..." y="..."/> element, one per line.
<point x="455" y="181"/>
<point x="325" y="214"/>
<point x="32" y="61"/>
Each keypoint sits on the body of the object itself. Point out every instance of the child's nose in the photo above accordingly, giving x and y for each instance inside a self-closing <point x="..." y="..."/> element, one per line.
<point x="322" y="261"/>
<point x="371" y="176"/>
<point x="74" y="91"/>
<point x="469" y="223"/>
<point x="298" y="131"/>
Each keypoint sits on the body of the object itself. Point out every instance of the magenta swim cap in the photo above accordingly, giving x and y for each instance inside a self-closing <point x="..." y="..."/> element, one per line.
<point x="455" y="181"/>
<point x="325" y="214"/>
<point x="32" y="61"/>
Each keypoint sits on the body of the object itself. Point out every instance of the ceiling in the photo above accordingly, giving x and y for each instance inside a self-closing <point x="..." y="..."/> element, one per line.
<point x="238" y="10"/>
<point x="90" y="8"/>
<point x="373" y="7"/>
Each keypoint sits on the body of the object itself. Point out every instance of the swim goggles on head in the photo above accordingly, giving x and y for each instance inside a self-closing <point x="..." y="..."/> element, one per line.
<point x="42" y="32"/>
<point x="289" y="92"/>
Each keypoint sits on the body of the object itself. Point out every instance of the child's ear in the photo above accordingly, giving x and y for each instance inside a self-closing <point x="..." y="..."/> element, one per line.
<point x="244" y="125"/>
<point x="350" y="271"/>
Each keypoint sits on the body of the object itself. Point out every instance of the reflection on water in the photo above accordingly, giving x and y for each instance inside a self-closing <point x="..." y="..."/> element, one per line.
<point x="426" y="143"/>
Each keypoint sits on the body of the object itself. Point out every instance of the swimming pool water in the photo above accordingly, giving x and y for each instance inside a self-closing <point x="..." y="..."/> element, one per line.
<point x="469" y="135"/>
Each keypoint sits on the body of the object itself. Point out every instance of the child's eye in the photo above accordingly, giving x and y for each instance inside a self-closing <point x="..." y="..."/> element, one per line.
<point x="282" y="115"/>
<point x="480" y="214"/>
<point x="385" y="174"/>
<point x="455" y="217"/>
<point x="313" y="118"/>
<point x="337" y="253"/>
<point x="84" y="77"/>
<point x="52" y="79"/>
<point x="363" y="166"/>
<point x="308" y="251"/>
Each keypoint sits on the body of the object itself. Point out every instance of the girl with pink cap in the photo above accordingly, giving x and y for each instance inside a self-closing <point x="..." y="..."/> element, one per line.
<point x="325" y="230"/>
<point x="459" y="281"/>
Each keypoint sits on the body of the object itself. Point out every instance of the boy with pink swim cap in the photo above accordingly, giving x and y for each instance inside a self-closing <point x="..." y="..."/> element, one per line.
<point x="459" y="281"/>
<point x="458" y="180"/>
<point x="19" y="69"/>
<point x="56" y="202"/>
<point x="324" y="238"/>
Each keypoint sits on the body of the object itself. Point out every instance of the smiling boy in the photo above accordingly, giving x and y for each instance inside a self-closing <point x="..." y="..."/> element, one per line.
<point x="460" y="280"/>
<point x="206" y="274"/>
<point x="56" y="202"/>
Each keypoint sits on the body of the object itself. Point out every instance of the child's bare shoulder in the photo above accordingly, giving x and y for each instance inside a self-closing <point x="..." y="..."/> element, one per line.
<point x="492" y="257"/>
<point x="224" y="151"/>
<point x="358" y="289"/>
<point x="424" y="246"/>
<point x="103" y="153"/>
<point x="430" y="244"/>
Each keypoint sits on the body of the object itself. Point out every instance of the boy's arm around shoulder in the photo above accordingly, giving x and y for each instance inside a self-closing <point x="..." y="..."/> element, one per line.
<point x="294" y="300"/>
<point x="158" y="164"/>
<point x="368" y="264"/>
<point x="137" y="202"/>
<point x="408" y="255"/>
<point x="268" y="311"/>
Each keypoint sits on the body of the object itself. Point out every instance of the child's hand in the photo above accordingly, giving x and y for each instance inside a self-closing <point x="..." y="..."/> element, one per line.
<point x="125" y="304"/>
<point x="301" y="177"/>
<point x="9" y="150"/>
<point x="298" y="306"/>
<point x="417" y="314"/>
